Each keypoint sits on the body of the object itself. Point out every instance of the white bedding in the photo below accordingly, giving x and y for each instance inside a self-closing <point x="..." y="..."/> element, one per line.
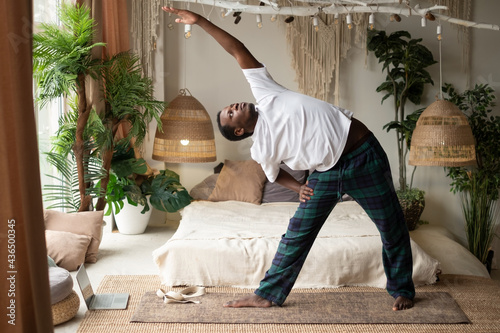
<point x="232" y="243"/>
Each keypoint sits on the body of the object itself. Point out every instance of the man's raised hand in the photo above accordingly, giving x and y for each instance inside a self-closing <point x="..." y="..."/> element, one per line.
<point x="185" y="16"/>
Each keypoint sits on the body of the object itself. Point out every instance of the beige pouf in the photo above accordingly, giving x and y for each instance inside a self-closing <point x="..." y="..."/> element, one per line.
<point x="66" y="309"/>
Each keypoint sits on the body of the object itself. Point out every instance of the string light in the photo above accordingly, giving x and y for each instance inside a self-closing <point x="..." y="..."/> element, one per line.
<point x="226" y="13"/>
<point x="274" y="17"/>
<point x="258" y="18"/>
<point x="187" y="31"/>
<point x="429" y="16"/>
<point x="349" y="21"/>
<point x="315" y="23"/>
<point x="336" y="18"/>
<point x="395" y="17"/>
<point x="438" y="30"/>
<point x="371" y="21"/>
<point x="423" y="22"/>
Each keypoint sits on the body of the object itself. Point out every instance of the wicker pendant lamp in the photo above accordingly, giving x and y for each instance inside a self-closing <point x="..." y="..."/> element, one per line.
<point x="188" y="134"/>
<point x="442" y="137"/>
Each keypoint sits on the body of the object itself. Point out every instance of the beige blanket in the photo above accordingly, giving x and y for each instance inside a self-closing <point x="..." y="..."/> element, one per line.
<point x="233" y="243"/>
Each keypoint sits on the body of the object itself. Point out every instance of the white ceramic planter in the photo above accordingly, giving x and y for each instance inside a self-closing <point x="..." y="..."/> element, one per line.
<point x="130" y="221"/>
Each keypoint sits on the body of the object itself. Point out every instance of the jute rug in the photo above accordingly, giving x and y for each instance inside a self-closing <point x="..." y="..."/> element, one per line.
<point x="477" y="297"/>
<point x="305" y="308"/>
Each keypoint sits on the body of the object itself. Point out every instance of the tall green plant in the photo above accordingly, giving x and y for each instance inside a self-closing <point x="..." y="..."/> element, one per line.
<point x="479" y="211"/>
<point x="128" y="98"/>
<point x="66" y="194"/>
<point x="480" y="184"/>
<point x="405" y="61"/>
<point x="62" y="61"/>
<point x="477" y="104"/>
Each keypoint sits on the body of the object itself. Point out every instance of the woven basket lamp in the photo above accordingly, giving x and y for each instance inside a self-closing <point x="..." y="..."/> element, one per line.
<point x="188" y="134"/>
<point x="442" y="137"/>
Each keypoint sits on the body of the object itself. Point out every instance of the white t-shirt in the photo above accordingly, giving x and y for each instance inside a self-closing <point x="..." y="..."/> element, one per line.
<point x="303" y="132"/>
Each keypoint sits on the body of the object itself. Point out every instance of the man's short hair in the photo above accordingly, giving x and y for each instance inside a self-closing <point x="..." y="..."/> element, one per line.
<point x="228" y="131"/>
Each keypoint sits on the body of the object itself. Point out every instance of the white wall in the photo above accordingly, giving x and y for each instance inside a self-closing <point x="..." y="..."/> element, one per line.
<point x="214" y="78"/>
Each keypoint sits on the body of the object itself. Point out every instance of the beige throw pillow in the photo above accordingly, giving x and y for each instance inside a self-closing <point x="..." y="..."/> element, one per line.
<point x="240" y="181"/>
<point x="82" y="223"/>
<point x="67" y="249"/>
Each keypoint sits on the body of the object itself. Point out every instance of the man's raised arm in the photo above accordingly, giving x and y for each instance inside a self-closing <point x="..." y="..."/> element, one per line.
<point x="232" y="45"/>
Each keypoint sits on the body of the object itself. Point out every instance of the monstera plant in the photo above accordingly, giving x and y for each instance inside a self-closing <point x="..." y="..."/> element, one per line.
<point x="130" y="184"/>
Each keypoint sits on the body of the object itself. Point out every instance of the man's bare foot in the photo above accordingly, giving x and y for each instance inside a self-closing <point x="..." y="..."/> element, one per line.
<point x="253" y="301"/>
<point x="402" y="303"/>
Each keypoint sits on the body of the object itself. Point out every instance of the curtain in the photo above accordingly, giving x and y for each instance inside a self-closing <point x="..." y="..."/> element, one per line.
<point x="115" y="31"/>
<point x="112" y="24"/>
<point x="25" y="297"/>
<point x="111" y="17"/>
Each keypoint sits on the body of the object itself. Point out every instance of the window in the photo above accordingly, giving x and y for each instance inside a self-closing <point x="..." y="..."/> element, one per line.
<point x="45" y="11"/>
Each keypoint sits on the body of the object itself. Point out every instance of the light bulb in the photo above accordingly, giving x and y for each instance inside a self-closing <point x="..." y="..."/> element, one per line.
<point x="438" y="31"/>
<point x="184" y="142"/>
<point x="336" y="18"/>
<point x="315" y="23"/>
<point x="258" y="18"/>
<point x="274" y="17"/>
<point x="371" y="21"/>
<point x="187" y="31"/>
<point x="348" y="20"/>
<point x="423" y="21"/>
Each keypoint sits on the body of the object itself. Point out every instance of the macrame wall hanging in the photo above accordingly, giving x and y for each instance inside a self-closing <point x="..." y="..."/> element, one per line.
<point x="461" y="9"/>
<point x="145" y="18"/>
<point x="316" y="55"/>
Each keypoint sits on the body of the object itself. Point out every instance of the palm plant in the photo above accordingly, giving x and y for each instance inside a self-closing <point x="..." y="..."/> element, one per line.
<point x="62" y="61"/>
<point x="86" y="140"/>
<point x="67" y="195"/>
<point x="129" y="100"/>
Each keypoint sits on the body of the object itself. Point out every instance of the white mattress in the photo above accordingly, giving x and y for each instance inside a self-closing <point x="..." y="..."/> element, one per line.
<point x="232" y="243"/>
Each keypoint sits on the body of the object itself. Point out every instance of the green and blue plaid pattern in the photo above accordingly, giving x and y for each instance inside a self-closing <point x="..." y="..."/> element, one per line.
<point x="365" y="175"/>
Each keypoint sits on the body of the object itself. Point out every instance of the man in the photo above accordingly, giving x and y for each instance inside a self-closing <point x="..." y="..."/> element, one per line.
<point x="343" y="155"/>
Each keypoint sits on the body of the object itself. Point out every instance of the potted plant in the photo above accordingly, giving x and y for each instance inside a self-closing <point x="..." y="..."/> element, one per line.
<point x="62" y="62"/>
<point x="479" y="185"/>
<point x="130" y="191"/>
<point x="86" y="141"/>
<point x="405" y="61"/>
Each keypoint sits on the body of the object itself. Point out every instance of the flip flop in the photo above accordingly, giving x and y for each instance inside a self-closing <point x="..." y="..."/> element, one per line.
<point x="181" y="296"/>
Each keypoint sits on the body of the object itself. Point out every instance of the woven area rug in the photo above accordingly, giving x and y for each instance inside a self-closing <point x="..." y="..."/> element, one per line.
<point x="305" y="308"/>
<point x="477" y="297"/>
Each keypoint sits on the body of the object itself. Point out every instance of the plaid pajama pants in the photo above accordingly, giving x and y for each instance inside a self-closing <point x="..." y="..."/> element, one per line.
<point x="365" y="175"/>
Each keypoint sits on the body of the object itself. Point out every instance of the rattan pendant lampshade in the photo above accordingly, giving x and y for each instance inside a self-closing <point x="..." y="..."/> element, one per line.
<point x="442" y="137"/>
<point x="188" y="134"/>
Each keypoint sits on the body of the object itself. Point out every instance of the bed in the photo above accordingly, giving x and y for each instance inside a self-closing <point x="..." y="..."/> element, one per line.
<point x="229" y="239"/>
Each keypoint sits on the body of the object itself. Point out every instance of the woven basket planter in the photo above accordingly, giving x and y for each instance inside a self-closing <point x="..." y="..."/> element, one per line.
<point x="412" y="211"/>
